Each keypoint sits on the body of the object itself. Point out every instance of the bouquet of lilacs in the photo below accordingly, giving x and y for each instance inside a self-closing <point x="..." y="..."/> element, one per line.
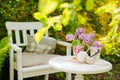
<point x="83" y="43"/>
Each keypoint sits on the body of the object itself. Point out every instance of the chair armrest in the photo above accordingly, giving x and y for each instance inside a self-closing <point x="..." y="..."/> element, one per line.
<point x="68" y="46"/>
<point x="18" y="59"/>
<point x="16" y="48"/>
<point x="64" y="43"/>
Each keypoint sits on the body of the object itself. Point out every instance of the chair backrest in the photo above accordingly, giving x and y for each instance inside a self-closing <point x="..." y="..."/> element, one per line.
<point x="20" y="30"/>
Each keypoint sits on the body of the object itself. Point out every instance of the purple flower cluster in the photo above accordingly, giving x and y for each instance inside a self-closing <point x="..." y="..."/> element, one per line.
<point x="80" y="34"/>
<point x="85" y="39"/>
<point x="95" y="48"/>
<point x="80" y="31"/>
<point x="70" y="37"/>
<point x="97" y="45"/>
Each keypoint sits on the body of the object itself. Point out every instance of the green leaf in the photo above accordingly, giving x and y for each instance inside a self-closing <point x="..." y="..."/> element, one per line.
<point x="65" y="5"/>
<point x="4" y="41"/>
<point x="89" y="5"/>
<point x="116" y="17"/>
<point x="47" y="6"/>
<point x="66" y="15"/>
<point x="4" y="49"/>
<point x="112" y="32"/>
<point x="81" y="19"/>
<point x="76" y="2"/>
<point x="79" y="7"/>
<point x="115" y="21"/>
<point x="58" y="27"/>
<point x="38" y="36"/>
<point x="73" y="15"/>
<point x="3" y="55"/>
<point x="109" y="8"/>
<point x="76" y="42"/>
<point x="108" y="48"/>
<point x="110" y="36"/>
<point x="40" y="16"/>
<point x="100" y="11"/>
<point x="100" y="0"/>
<point x="54" y="20"/>
<point x="118" y="38"/>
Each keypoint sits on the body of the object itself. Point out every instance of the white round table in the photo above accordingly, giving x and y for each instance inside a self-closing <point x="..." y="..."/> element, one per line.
<point x="67" y="64"/>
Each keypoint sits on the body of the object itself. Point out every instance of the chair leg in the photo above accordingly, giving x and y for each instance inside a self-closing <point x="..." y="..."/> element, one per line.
<point x="46" y="76"/>
<point x="11" y="67"/>
<point x="11" y="72"/>
<point x="20" y="77"/>
<point x="68" y="76"/>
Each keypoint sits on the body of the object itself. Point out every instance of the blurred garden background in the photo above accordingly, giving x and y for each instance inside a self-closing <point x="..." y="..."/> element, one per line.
<point x="93" y="15"/>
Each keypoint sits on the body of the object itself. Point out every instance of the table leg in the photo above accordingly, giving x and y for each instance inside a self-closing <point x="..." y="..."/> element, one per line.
<point x="79" y="77"/>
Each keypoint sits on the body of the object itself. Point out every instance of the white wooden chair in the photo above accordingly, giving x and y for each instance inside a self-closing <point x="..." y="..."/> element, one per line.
<point x="19" y="29"/>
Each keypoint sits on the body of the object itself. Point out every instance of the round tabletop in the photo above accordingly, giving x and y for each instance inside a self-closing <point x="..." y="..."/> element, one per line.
<point x="67" y="64"/>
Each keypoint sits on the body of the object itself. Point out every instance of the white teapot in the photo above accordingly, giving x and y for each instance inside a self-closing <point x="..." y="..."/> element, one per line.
<point x="81" y="56"/>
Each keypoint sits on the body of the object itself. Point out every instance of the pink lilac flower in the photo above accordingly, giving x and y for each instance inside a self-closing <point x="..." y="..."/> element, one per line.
<point x="70" y="37"/>
<point x="77" y="49"/>
<point x="80" y="31"/>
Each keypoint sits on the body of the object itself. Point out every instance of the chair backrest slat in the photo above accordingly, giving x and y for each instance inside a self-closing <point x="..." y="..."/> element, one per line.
<point x="20" y="30"/>
<point x="17" y="35"/>
<point x="32" y="32"/>
<point x="24" y="36"/>
<point x="10" y="32"/>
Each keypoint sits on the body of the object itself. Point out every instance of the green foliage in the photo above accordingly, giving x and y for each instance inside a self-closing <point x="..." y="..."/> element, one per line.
<point x="66" y="16"/>
<point x="4" y="42"/>
<point x="112" y="40"/>
<point x="3" y="32"/>
<point x="58" y="76"/>
<point x="47" y="6"/>
<point x="89" y="5"/>
<point x="17" y="10"/>
<point x="115" y="19"/>
<point x="68" y="12"/>
<point x="4" y="46"/>
<point x="3" y="55"/>
<point x="111" y="8"/>
<point x="80" y="17"/>
<point x="40" y="16"/>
